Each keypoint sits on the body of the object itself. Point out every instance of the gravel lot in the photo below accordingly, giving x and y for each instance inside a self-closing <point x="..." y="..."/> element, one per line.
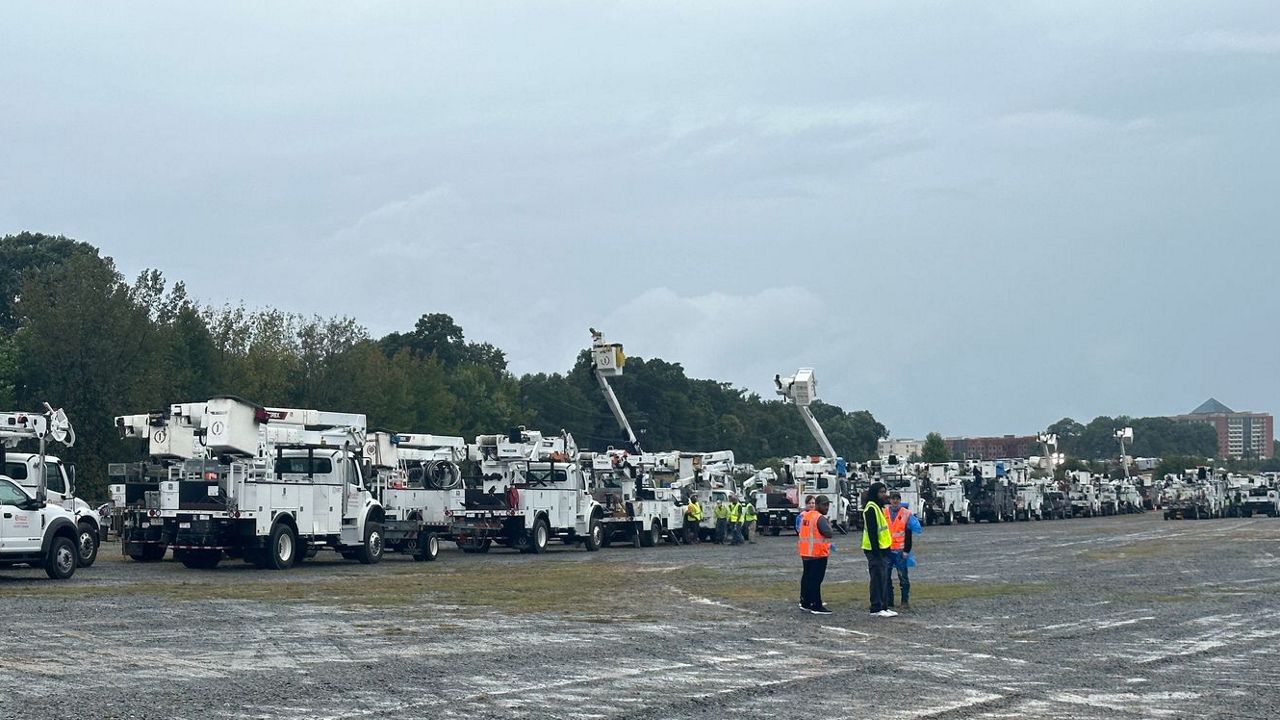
<point x="1106" y="618"/>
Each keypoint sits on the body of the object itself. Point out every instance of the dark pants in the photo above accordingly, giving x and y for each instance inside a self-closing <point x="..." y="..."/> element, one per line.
<point x="878" y="570"/>
<point x="691" y="530"/>
<point x="722" y="528"/>
<point x="735" y="533"/>
<point x="815" y="570"/>
<point x="897" y="563"/>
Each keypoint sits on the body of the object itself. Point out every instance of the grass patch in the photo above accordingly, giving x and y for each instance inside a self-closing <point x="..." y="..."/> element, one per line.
<point x="594" y="592"/>
<point x="533" y="587"/>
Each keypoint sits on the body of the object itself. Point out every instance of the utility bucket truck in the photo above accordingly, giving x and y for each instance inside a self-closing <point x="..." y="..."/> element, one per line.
<point x="638" y="508"/>
<point x="285" y="483"/>
<point x="414" y="478"/>
<point x="945" y="500"/>
<point x="38" y="472"/>
<point x="992" y="496"/>
<point x="903" y="478"/>
<point x="172" y="438"/>
<point x="826" y="474"/>
<point x="1260" y="496"/>
<point x="35" y="528"/>
<point x="713" y="483"/>
<point x="528" y="489"/>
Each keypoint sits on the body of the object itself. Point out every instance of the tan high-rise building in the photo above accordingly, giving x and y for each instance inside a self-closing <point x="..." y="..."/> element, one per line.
<point x="1240" y="434"/>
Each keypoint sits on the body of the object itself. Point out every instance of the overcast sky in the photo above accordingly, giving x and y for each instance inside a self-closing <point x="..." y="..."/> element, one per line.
<point x="975" y="218"/>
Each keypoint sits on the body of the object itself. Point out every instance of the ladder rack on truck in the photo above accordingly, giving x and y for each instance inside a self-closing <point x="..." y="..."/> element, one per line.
<point x="414" y="476"/>
<point x="286" y="483"/>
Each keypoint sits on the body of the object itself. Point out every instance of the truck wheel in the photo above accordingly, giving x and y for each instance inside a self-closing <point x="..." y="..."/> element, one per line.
<point x="149" y="554"/>
<point x="370" y="551"/>
<point x="87" y="545"/>
<point x="537" y="540"/>
<point x="428" y="547"/>
<point x="652" y="536"/>
<point x="60" y="561"/>
<point x="595" y="536"/>
<point x="282" y="548"/>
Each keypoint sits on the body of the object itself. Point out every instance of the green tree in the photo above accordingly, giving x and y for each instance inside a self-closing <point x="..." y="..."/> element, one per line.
<point x="26" y="254"/>
<point x="935" y="449"/>
<point x="86" y="346"/>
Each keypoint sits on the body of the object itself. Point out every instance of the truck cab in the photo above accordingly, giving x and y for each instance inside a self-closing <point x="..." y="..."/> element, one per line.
<point x="36" y="533"/>
<point x="24" y="469"/>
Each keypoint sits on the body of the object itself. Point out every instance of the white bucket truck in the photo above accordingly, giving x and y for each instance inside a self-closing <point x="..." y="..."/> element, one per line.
<point x="642" y="503"/>
<point x="172" y="437"/>
<point x="286" y="483"/>
<point x="33" y="530"/>
<point x="414" y="477"/>
<point x="48" y="474"/>
<point x="529" y="489"/>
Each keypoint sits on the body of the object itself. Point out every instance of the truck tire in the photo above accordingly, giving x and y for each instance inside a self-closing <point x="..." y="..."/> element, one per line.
<point x="539" y="537"/>
<point x="282" y="548"/>
<point x="595" y="535"/>
<point x="370" y="552"/>
<point x="652" y="536"/>
<point x="61" y="558"/>
<point x="149" y="554"/>
<point x="87" y="544"/>
<point x="428" y="547"/>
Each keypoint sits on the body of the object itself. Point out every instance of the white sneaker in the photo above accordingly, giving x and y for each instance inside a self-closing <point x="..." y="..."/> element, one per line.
<point x="887" y="613"/>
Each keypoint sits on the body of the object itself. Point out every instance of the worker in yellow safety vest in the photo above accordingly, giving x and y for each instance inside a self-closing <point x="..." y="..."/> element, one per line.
<point x="735" y="520"/>
<point x="814" y="545"/>
<point x="876" y="545"/>
<point x="692" y="520"/>
<point x="749" y="520"/>
<point x="721" y="514"/>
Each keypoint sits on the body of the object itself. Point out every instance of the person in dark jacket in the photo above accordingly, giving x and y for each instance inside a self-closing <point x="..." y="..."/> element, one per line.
<point x="876" y="545"/>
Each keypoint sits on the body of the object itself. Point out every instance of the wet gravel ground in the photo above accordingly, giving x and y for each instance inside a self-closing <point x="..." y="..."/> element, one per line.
<point x="1126" y="617"/>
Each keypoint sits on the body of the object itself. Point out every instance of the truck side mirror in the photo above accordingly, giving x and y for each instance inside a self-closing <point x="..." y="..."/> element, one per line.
<point x="71" y="479"/>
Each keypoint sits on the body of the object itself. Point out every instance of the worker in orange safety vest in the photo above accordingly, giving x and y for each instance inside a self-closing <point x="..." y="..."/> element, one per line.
<point x="814" y="546"/>
<point x="903" y="526"/>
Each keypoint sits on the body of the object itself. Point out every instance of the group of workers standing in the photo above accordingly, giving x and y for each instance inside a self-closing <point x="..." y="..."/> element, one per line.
<point x="888" y="526"/>
<point x="735" y="521"/>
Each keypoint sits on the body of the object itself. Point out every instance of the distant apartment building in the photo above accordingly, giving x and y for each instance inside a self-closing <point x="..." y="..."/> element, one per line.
<point x="991" y="448"/>
<point x="902" y="447"/>
<point x="1240" y="434"/>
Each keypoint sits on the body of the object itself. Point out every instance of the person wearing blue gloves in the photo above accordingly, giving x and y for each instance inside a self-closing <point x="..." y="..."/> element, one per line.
<point x="903" y="524"/>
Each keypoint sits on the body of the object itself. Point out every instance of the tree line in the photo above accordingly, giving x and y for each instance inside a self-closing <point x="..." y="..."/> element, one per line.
<point x="75" y="332"/>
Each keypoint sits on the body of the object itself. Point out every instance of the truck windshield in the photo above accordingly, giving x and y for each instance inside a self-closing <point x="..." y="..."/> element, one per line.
<point x="304" y="465"/>
<point x="545" y="476"/>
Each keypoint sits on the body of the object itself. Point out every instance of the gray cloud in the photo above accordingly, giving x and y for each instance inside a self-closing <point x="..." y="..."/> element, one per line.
<point x="972" y="219"/>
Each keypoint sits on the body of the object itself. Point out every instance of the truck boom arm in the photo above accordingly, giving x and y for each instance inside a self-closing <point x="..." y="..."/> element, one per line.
<point x="802" y="389"/>
<point x="607" y="360"/>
